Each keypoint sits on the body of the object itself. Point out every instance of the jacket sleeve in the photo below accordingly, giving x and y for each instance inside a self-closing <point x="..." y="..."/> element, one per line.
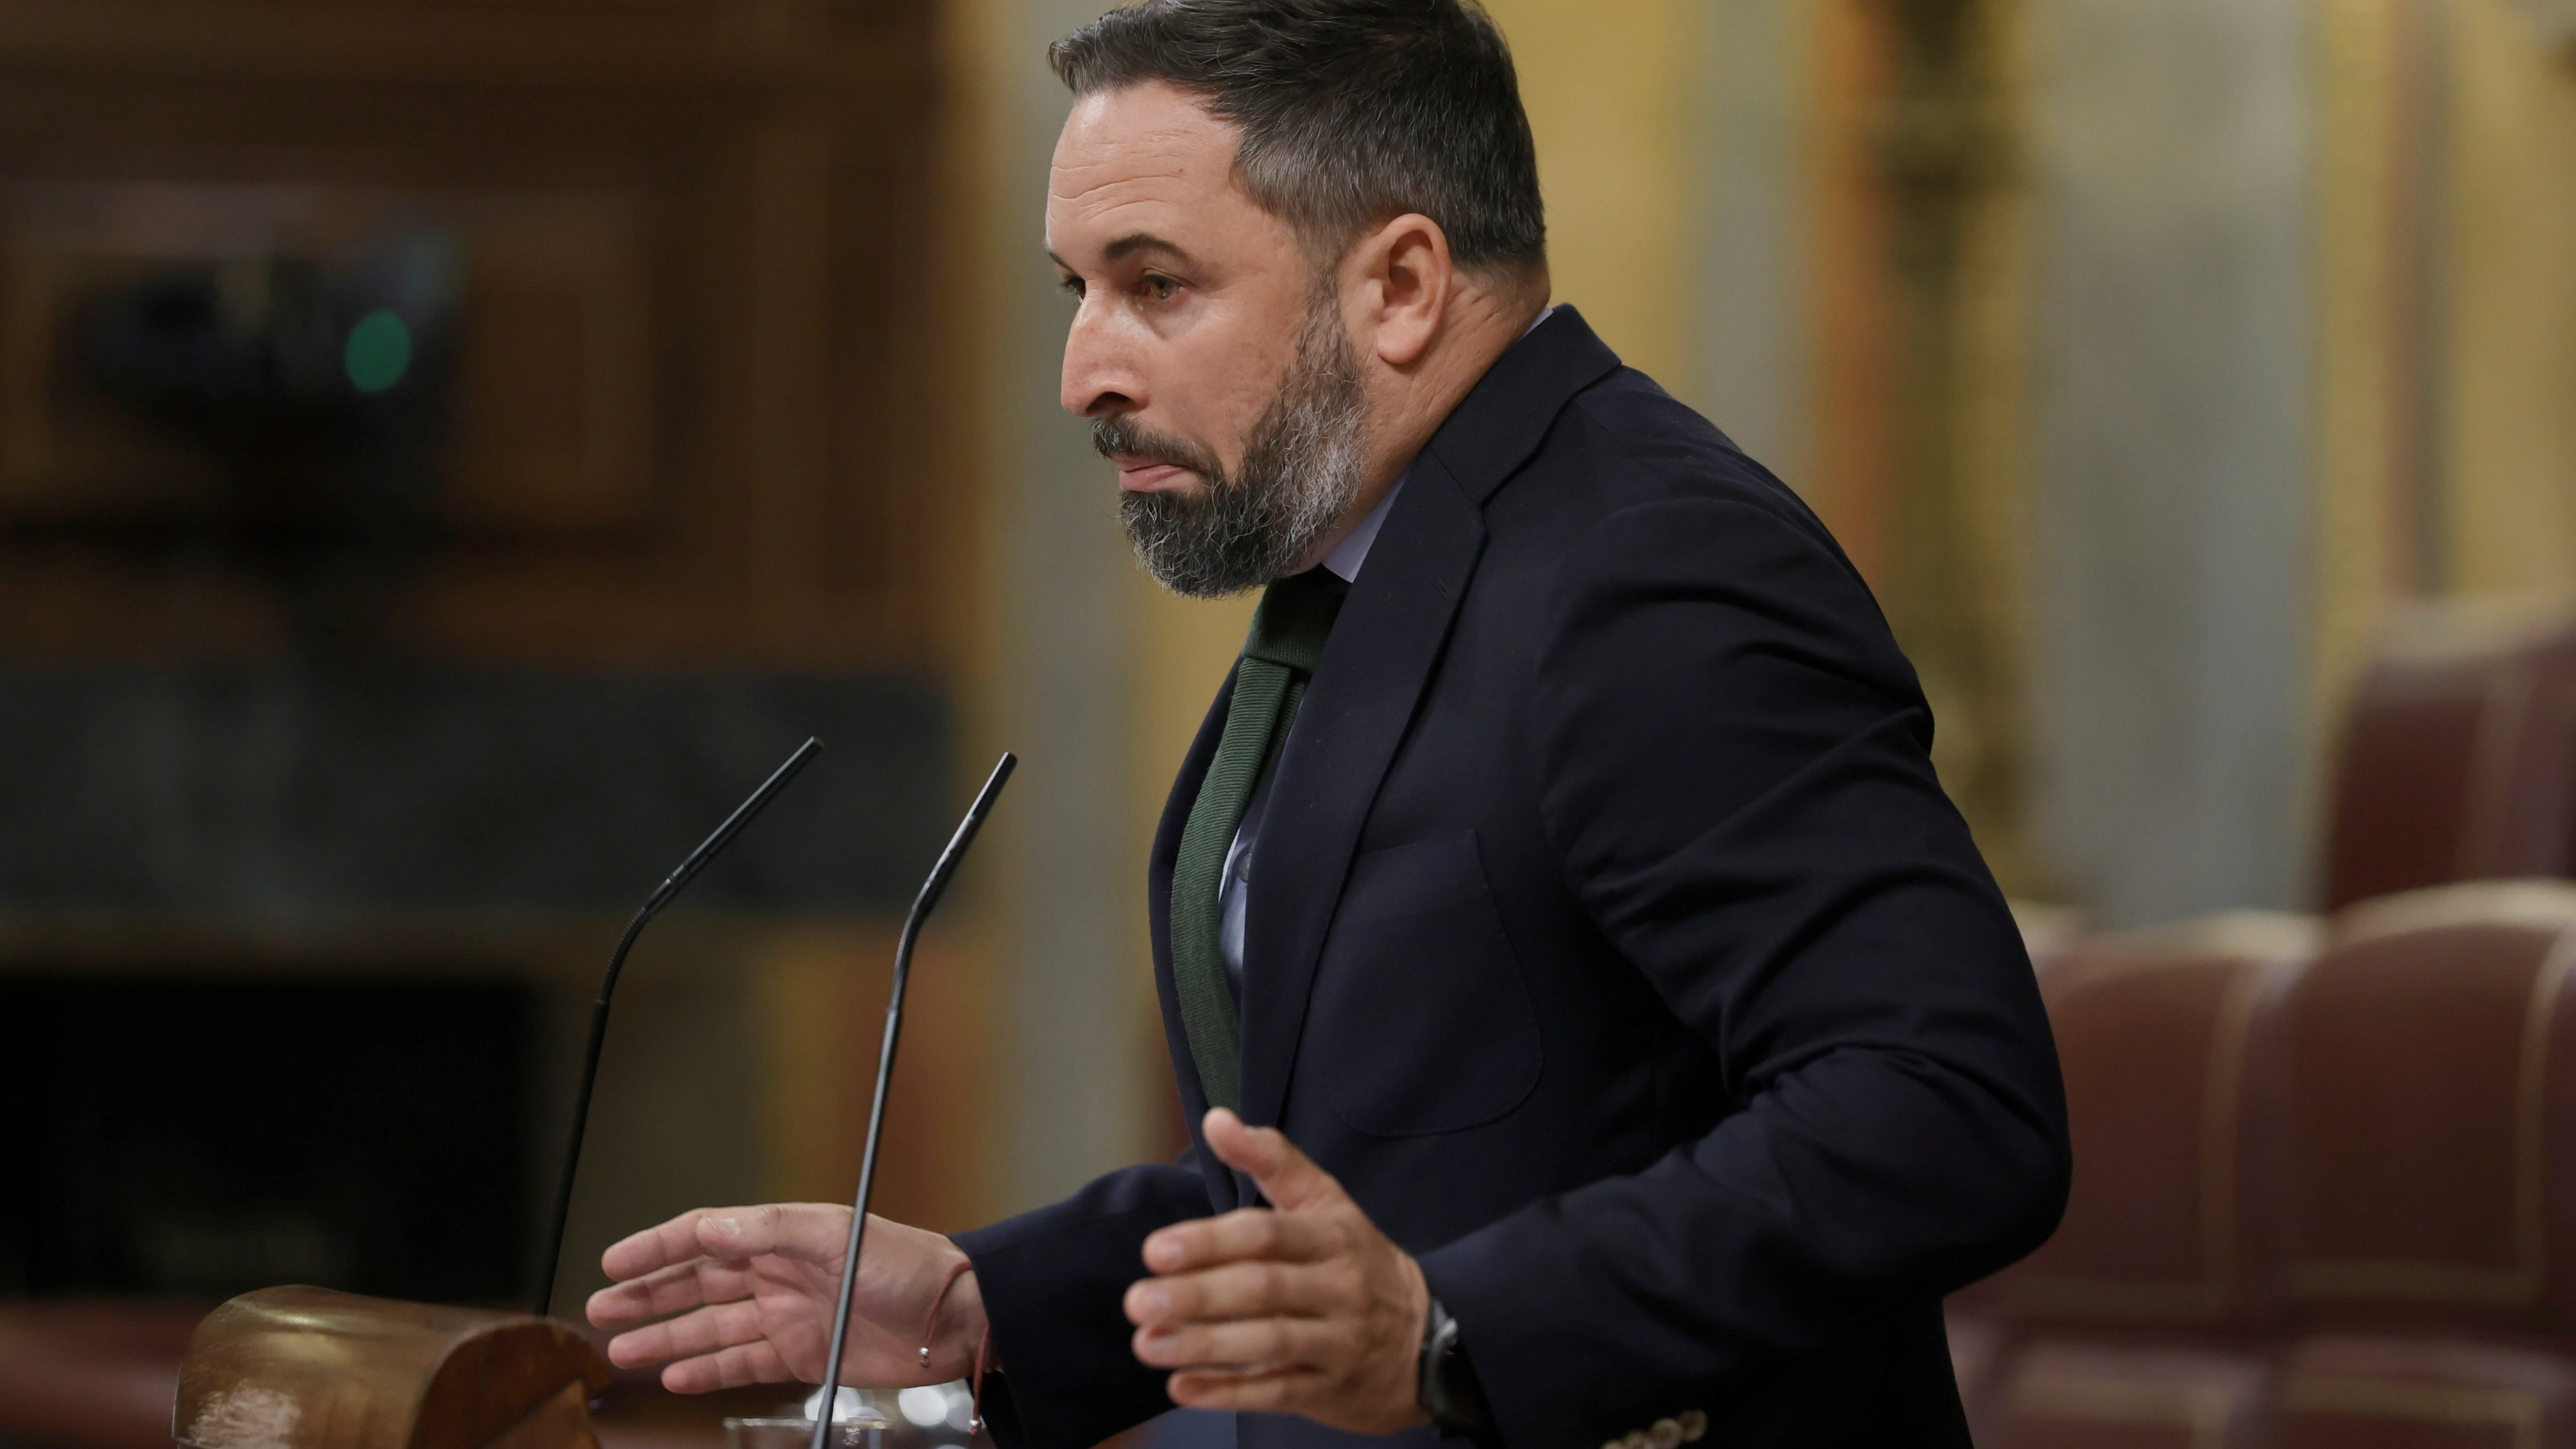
<point x="1735" y="774"/>
<point x="1052" y="1282"/>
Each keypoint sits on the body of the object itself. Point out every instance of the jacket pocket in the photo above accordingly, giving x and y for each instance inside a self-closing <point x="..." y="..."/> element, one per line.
<point x="1421" y="1021"/>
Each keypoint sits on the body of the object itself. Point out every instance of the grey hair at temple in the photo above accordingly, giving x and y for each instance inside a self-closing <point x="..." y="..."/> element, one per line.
<point x="1354" y="112"/>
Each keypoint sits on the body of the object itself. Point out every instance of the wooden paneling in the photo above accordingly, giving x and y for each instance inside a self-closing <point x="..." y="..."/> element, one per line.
<point x="686" y="426"/>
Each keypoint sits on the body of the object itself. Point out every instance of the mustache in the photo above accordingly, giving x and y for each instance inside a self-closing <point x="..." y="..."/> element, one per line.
<point x="1121" y="438"/>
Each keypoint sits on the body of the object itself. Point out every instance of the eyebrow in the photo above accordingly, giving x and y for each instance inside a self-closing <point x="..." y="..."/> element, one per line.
<point x="1130" y="244"/>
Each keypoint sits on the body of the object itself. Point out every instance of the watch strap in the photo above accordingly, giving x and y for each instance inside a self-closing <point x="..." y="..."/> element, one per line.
<point x="1446" y="1382"/>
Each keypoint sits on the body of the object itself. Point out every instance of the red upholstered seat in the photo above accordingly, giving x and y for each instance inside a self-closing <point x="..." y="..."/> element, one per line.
<point x="94" y="1374"/>
<point x="2457" y="761"/>
<point x="2089" y="1396"/>
<point x="2432" y="1114"/>
<point x="2364" y="1393"/>
<point x="2324" y="1197"/>
<point x="2169" y="1041"/>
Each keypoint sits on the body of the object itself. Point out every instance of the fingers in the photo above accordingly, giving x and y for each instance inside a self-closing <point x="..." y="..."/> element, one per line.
<point x="1242" y="1235"/>
<point x="1265" y="1389"/>
<point x="656" y="1247"/>
<point x="706" y="1331"/>
<point x="670" y="1290"/>
<point x="1288" y="1177"/>
<point x="1302" y="1308"/>
<point x="804" y="1232"/>
<point x="744" y="1281"/>
<point x="732" y="1368"/>
<point x="810" y="1232"/>
<point x="1242" y="1290"/>
<point x="1303" y="1193"/>
<point x="1236" y="1346"/>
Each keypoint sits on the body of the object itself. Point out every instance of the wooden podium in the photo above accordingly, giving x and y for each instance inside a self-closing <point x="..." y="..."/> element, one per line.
<point x="307" y="1368"/>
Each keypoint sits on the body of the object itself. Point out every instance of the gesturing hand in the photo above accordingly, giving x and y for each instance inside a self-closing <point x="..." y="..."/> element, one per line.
<point x="755" y="1287"/>
<point x="1303" y="1308"/>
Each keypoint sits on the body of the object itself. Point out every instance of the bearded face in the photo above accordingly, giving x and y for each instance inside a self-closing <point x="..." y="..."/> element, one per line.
<point x="1301" y="468"/>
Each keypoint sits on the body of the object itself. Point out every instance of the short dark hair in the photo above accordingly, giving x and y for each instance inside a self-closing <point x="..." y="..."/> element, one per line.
<point x="1353" y="111"/>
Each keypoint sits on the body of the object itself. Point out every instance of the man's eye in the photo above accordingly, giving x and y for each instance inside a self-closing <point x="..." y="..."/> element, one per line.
<point x="1161" y="289"/>
<point x="1072" y="287"/>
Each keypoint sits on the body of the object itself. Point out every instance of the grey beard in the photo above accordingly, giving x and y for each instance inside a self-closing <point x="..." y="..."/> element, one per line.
<point x="1301" y="469"/>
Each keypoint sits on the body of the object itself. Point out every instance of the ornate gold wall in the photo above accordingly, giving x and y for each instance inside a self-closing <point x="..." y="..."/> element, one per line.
<point x="2446" y="409"/>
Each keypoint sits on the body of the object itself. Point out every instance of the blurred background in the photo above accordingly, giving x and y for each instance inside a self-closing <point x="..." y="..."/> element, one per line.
<point x="451" y="451"/>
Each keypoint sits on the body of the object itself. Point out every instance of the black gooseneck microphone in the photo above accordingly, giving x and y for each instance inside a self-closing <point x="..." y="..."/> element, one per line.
<point x="671" y="887"/>
<point x="921" y="906"/>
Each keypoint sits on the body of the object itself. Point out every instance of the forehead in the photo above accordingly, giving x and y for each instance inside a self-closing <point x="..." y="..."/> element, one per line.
<point x="1142" y="158"/>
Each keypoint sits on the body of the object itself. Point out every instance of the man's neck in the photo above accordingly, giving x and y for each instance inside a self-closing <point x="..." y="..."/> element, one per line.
<point x="1482" y="326"/>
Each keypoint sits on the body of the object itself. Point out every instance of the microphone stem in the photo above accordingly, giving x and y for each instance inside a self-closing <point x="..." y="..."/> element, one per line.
<point x="922" y="904"/>
<point x="671" y="886"/>
<point x="867" y="1178"/>
<point x="581" y="1102"/>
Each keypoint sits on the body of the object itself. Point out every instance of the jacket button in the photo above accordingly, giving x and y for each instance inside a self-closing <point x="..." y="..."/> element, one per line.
<point x="1693" y="1425"/>
<point x="1664" y="1434"/>
<point x="1636" y="1440"/>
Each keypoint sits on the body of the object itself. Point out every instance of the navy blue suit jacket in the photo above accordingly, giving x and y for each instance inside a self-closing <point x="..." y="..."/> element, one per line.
<point x="1616" y="947"/>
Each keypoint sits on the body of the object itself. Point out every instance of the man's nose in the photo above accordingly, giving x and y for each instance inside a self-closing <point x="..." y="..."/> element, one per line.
<point x="1100" y="378"/>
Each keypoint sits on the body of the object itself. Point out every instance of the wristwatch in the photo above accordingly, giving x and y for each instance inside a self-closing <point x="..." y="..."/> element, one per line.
<point x="1447" y="1387"/>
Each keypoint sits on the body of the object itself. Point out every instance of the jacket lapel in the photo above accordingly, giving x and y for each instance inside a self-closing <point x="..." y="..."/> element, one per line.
<point x="1353" y="717"/>
<point x="1370" y="679"/>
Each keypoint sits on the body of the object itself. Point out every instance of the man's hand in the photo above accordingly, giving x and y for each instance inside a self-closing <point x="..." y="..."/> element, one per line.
<point x="1305" y="1309"/>
<point x="754" y="1288"/>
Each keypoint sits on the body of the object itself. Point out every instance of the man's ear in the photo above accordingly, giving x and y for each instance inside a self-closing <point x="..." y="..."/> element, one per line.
<point x="1404" y="278"/>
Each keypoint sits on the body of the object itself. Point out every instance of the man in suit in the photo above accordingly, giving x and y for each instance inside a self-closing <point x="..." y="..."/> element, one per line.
<point x="1598" y="1025"/>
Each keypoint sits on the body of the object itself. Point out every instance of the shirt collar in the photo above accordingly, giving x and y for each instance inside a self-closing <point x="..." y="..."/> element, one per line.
<point x="1351" y="552"/>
